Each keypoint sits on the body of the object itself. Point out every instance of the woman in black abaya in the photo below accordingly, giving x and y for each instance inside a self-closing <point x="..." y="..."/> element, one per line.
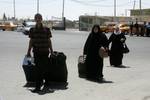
<point x="94" y="63"/>
<point x="116" y="51"/>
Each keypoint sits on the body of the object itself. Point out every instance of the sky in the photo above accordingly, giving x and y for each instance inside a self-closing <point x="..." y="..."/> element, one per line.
<point x="52" y="9"/>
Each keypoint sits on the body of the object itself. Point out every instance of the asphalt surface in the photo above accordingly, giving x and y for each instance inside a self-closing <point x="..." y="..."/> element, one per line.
<point x="129" y="83"/>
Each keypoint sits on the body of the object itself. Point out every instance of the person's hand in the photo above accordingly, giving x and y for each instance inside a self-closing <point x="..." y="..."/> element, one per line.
<point x="103" y="52"/>
<point x="106" y="49"/>
<point x="122" y="40"/>
<point x="52" y="54"/>
<point x="102" y="48"/>
<point x="28" y="55"/>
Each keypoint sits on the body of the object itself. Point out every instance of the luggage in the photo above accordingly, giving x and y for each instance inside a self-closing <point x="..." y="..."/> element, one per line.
<point x="57" y="69"/>
<point x="28" y="67"/>
<point x="81" y="66"/>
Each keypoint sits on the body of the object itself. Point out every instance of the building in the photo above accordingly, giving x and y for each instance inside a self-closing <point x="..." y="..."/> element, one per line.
<point x="86" y="21"/>
<point x="141" y="15"/>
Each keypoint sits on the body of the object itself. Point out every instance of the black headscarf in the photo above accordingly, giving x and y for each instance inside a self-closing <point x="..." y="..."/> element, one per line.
<point x="96" y="25"/>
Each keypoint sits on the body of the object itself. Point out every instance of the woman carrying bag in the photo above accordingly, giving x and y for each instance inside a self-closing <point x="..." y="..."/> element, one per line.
<point x="94" y="62"/>
<point x="117" y="40"/>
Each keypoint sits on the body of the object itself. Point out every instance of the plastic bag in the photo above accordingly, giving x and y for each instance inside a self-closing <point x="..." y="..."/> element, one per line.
<point x="28" y="60"/>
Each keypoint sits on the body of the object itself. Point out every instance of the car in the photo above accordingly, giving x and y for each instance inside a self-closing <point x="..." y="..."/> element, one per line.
<point x="58" y="28"/>
<point x="125" y="28"/>
<point x="8" y="26"/>
<point x="111" y="27"/>
<point x="20" y="28"/>
<point x="104" y="28"/>
<point x="27" y="26"/>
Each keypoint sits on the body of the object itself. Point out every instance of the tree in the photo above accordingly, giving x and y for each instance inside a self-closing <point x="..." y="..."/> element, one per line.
<point x="4" y="17"/>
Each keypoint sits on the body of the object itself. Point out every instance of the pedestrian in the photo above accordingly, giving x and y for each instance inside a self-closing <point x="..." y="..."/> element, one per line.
<point x="116" y="39"/>
<point x="131" y="28"/>
<point x="41" y="45"/>
<point x="136" y="25"/>
<point x="94" y="63"/>
<point x="143" y="29"/>
<point x="24" y="23"/>
<point x="148" y="29"/>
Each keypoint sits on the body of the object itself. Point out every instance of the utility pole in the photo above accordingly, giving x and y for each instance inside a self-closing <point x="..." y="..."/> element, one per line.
<point x="14" y="6"/>
<point x="63" y="8"/>
<point x="63" y="18"/>
<point x="37" y="6"/>
<point x="134" y="5"/>
<point x="114" y="10"/>
<point x="140" y="10"/>
<point x="126" y="12"/>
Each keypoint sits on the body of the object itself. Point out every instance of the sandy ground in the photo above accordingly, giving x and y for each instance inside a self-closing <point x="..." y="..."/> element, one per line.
<point x="130" y="83"/>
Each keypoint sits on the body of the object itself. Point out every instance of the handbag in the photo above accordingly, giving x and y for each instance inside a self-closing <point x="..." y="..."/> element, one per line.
<point x="125" y="48"/>
<point x="103" y="53"/>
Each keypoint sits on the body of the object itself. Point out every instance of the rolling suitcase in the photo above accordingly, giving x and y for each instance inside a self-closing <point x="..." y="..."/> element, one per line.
<point x="29" y="70"/>
<point x="82" y="66"/>
<point x="57" y="69"/>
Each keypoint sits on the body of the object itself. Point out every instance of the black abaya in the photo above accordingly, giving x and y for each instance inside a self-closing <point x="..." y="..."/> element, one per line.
<point x="116" y="51"/>
<point x="94" y="63"/>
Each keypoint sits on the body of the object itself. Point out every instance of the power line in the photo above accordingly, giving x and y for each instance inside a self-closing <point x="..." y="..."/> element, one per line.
<point x="93" y="4"/>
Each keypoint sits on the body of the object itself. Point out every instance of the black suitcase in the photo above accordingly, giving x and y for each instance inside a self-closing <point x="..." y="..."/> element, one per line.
<point x="29" y="70"/>
<point x="57" y="69"/>
<point x="82" y="66"/>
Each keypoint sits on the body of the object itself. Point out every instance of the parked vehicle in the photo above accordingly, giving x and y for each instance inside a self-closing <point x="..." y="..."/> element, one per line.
<point x="58" y="26"/>
<point x="20" y="28"/>
<point x="111" y="27"/>
<point x="27" y="27"/>
<point x="125" y="28"/>
<point x="7" y="26"/>
<point x="104" y="29"/>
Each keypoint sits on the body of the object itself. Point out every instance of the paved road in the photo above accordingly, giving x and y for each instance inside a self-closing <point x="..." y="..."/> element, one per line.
<point x="131" y="83"/>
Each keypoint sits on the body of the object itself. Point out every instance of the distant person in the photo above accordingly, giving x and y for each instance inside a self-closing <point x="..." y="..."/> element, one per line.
<point x="41" y="45"/>
<point x="131" y="29"/>
<point x="116" y="49"/>
<point x="136" y="25"/>
<point x="148" y="30"/>
<point x="94" y="63"/>
<point x="24" y="23"/>
<point x="143" y="29"/>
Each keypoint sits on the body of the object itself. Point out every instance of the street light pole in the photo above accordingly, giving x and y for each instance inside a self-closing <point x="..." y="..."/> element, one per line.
<point x="63" y="9"/>
<point x="14" y="9"/>
<point x="140" y="10"/>
<point x="114" y="10"/>
<point x="37" y="6"/>
<point x="126" y="11"/>
<point x="63" y="18"/>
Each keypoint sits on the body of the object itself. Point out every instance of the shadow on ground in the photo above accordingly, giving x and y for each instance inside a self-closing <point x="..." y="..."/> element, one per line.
<point x="123" y="66"/>
<point x="100" y="81"/>
<point x="51" y="88"/>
